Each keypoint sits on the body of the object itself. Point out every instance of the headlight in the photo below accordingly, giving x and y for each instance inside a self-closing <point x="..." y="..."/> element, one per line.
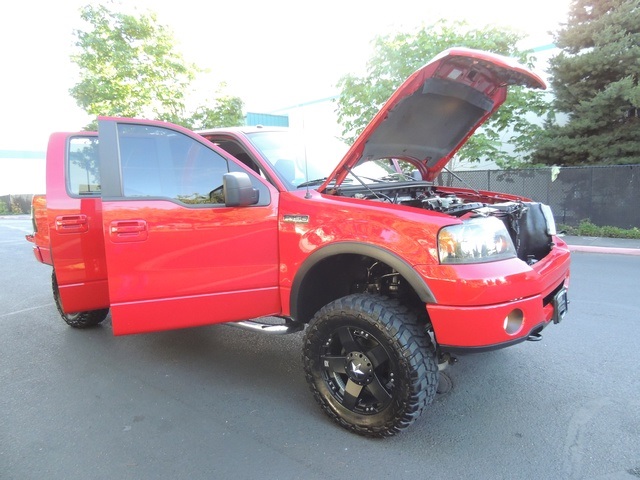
<point x="475" y="241"/>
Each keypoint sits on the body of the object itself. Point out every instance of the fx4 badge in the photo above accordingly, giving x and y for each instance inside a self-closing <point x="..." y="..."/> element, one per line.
<point x="296" y="218"/>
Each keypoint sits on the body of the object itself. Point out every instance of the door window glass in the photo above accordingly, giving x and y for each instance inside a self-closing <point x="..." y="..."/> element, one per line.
<point x="241" y="154"/>
<point x="158" y="162"/>
<point x="83" y="173"/>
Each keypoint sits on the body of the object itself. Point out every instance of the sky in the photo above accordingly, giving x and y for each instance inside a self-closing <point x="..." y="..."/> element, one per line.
<point x="272" y="54"/>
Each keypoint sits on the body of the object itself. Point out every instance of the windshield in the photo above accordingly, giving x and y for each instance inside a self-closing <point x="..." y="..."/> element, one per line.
<point x="303" y="160"/>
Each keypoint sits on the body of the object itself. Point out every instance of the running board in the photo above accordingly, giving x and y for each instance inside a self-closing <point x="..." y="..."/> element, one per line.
<point x="269" y="328"/>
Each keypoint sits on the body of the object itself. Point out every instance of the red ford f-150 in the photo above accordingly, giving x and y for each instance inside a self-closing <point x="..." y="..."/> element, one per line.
<point x="388" y="274"/>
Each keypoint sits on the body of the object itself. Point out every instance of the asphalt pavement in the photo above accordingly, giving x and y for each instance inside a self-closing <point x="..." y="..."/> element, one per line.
<point x="217" y="402"/>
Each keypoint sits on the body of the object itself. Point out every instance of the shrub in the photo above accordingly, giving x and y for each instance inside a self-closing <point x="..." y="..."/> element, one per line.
<point x="588" y="229"/>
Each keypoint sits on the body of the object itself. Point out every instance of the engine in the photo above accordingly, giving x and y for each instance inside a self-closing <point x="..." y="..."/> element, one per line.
<point x="530" y="224"/>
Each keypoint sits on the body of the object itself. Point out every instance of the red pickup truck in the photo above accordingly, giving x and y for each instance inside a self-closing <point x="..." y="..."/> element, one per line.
<point x="389" y="274"/>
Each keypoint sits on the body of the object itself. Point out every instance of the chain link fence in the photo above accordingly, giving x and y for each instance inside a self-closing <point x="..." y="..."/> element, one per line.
<point x="606" y="196"/>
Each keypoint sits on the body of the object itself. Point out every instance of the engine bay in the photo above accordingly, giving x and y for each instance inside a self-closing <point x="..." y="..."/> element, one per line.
<point x="530" y="224"/>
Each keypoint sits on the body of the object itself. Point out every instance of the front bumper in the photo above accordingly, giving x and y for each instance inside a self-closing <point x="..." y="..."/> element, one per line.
<point x="494" y="305"/>
<point x="475" y="329"/>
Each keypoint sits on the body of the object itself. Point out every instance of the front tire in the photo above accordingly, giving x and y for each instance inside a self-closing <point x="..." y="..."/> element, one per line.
<point x="370" y="364"/>
<point x="86" y="319"/>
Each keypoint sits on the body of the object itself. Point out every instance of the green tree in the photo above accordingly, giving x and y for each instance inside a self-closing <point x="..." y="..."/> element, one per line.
<point x="595" y="81"/>
<point x="224" y="111"/>
<point x="396" y="56"/>
<point x="129" y="67"/>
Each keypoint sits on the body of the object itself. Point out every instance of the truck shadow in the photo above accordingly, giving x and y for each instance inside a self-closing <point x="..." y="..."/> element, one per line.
<point x="252" y="370"/>
<point x="220" y="359"/>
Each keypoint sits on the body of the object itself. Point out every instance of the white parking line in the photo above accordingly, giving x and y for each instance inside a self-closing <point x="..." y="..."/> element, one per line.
<point x="593" y="249"/>
<point x="24" y="310"/>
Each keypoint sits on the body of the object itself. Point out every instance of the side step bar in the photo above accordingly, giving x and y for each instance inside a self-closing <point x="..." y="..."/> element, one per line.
<point x="269" y="328"/>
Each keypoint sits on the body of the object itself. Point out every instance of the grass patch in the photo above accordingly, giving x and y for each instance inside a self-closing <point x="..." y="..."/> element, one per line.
<point x="588" y="229"/>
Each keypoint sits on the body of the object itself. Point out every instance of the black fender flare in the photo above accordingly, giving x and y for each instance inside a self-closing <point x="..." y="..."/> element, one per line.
<point x="357" y="248"/>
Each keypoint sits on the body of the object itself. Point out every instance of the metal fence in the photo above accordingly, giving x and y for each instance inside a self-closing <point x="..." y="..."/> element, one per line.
<point x="606" y="196"/>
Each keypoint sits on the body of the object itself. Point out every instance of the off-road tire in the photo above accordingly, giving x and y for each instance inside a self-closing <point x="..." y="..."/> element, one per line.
<point x="370" y="364"/>
<point x="86" y="319"/>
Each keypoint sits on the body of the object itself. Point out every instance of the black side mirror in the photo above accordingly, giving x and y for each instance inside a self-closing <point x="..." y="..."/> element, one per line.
<point x="238" y="190"/>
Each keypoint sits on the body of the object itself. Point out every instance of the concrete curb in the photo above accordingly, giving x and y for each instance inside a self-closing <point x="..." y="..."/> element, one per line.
<point x="608" y="250"/>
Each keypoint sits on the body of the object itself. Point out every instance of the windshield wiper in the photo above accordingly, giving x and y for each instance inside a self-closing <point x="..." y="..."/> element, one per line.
<point x="317" y="181"/>
<point x="312" y="182"/>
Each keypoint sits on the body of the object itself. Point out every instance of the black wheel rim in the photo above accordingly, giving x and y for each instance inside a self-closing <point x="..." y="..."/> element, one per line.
<point x="358" y="370"/>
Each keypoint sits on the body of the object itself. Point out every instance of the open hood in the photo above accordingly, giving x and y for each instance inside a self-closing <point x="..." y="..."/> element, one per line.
<point x="433" y="113"/>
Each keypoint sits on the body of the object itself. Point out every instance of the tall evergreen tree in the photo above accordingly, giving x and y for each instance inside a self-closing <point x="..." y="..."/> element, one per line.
<point x="595" y="79"/>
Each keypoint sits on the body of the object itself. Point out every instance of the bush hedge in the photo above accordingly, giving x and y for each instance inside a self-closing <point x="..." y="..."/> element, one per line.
<point x="588" y="229"/>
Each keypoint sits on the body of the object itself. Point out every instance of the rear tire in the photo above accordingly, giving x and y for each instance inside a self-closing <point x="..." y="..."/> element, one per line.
<point x="370" y="364"/>
<point x="86" y="319"/>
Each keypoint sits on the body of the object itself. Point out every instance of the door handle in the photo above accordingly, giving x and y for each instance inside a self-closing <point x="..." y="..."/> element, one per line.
<point x="128" y="230"/>
<point x="72" y="223"/>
